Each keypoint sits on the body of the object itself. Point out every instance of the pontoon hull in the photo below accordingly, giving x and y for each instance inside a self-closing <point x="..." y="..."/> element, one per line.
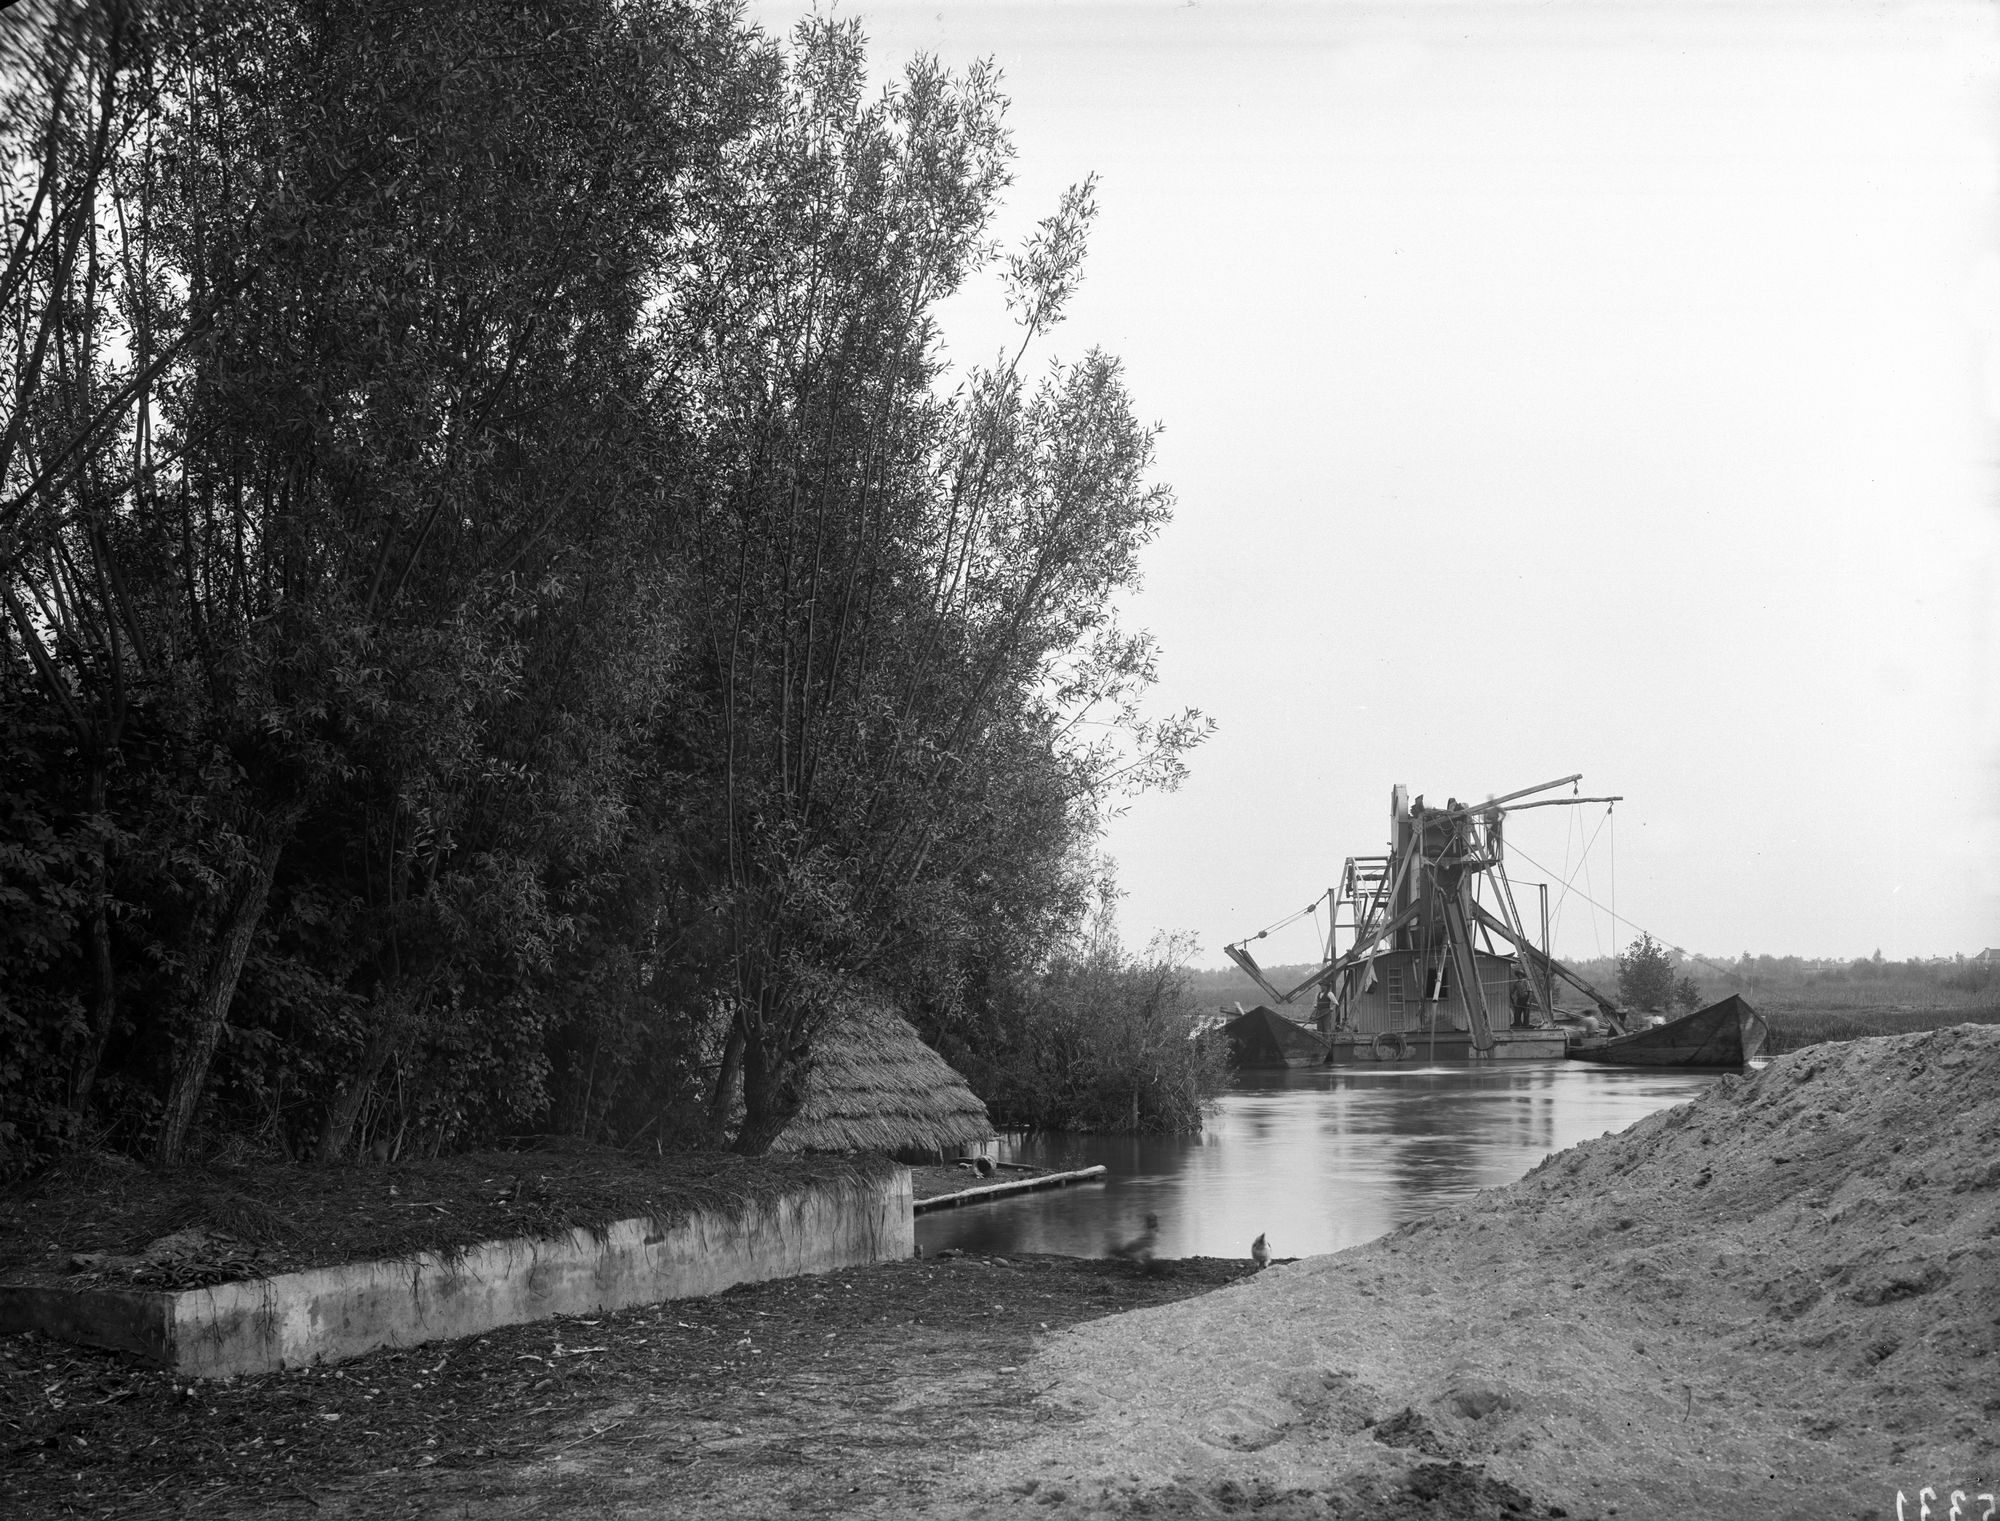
<point x="1265" y="1038"/>
<point x="1725" y="1034"/>
<point x="1541" y="1043"/>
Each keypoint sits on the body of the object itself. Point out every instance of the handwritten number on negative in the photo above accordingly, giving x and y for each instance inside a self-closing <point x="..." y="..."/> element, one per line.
<point x="1956" y="1513"/>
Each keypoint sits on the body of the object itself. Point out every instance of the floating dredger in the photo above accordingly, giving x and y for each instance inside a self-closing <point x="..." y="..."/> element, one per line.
<point x="1428" y="957"/>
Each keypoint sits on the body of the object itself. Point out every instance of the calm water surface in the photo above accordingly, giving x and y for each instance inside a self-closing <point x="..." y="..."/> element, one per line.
<point x="1317" y="1158"/>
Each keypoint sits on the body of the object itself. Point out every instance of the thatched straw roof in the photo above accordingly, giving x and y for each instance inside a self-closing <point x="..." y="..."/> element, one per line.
<point x="875" y="1086"/>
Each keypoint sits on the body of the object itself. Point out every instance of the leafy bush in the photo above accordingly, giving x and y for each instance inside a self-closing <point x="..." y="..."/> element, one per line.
<point x="1100" y="1041"/>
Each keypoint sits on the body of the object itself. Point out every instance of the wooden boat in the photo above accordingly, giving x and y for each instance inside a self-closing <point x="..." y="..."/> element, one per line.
<point x="1725" y="1034"/>
<point x="1265" y="1038"/>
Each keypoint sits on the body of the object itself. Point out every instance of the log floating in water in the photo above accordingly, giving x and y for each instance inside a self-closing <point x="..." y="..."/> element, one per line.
<point x="1000" y="1190"/>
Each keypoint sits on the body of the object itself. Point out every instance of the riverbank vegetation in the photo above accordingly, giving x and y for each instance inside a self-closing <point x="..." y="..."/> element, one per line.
<point x="506" y="622"/>
<point x="1098" y="1041"/>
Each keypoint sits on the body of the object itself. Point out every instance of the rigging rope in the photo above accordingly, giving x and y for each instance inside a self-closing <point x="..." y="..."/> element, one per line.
<point x="1583" y="865"/>
<point x="1677" y="950"/>
<point x="1570" y="825"/>
<point x="1310" y="908"/>
<point x="1611" y="847"/>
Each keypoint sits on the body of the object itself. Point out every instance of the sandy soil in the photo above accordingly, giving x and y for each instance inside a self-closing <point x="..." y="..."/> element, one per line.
<point x="1781" y="1300"/>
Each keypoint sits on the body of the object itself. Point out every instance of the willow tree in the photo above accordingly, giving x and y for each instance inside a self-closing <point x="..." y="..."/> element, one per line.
<point x="99" y="329"/>
<point x="326" y="330"/>
<point x="904" y="593"/>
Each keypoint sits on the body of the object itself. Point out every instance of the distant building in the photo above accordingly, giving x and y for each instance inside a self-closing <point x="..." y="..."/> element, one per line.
<point x="1988" y="957"/>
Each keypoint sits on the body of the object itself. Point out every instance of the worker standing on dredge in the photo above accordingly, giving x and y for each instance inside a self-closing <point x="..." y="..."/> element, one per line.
<point x="1521" y="996"/>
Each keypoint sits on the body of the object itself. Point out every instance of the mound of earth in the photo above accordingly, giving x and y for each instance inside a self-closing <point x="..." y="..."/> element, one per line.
<point x="1777" y="1300"/>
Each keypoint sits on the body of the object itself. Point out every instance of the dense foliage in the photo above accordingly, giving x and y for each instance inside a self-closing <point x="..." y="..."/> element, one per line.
<point x="1646" y="975"/>
<point x="1099" y="1040"/>
<point x="504" y="622"/>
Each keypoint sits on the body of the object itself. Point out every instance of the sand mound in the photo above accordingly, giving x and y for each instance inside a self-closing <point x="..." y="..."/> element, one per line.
<point x="1778" y="1299"/>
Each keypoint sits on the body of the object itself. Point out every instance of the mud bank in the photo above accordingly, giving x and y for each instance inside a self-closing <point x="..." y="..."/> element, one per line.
<point x="1778" y="1300"/>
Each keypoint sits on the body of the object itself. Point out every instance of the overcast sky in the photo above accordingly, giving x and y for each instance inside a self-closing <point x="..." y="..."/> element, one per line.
<point x="1549" y="388"/>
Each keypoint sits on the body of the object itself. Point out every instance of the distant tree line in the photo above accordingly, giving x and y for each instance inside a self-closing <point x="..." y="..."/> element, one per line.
<point x="1219" y="989"/>
<point x="1953" y="974"/>
<point x="503" y="625"/>
<point x="1943" y="982"/>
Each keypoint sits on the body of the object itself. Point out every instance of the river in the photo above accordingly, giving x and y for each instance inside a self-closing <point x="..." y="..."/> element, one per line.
<point x="1316" y="1158"/>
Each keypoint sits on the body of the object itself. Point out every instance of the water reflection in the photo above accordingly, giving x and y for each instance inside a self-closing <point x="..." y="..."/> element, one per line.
<point x="1318" y="1158"/>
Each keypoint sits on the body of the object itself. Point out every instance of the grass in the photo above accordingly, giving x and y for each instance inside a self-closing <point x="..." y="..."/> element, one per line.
<point x="1794" y="1027"/>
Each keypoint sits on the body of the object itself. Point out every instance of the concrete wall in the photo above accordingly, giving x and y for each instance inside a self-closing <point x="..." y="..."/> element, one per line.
<point x="327" y="1314"/>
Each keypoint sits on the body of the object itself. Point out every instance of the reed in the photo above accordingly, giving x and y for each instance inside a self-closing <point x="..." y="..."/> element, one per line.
<point x="1795" y="1027"/>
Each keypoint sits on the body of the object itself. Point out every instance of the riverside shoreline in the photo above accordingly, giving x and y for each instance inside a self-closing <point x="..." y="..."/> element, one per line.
<point x="1774" y="1300"/>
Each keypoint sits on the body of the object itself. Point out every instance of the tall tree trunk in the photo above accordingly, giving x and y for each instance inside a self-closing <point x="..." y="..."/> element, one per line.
<point x="725" y="1079"/>
<point x="103" y="1013"/>
<point x="244" y="912"/>
<point x="398" y="1009"/>
<point x="104" y="990"/>
<point x="773" y="1089"/>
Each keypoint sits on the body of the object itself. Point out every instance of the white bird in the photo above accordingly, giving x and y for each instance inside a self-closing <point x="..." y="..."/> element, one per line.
<point x="1260" y="1251"/>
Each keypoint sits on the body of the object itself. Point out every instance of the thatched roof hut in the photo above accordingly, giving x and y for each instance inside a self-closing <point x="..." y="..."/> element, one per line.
<point x="875" y="1086"/>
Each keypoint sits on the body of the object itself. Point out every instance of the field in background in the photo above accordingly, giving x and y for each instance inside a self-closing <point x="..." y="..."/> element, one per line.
<point x="1806" y="1002"/>
<point x="1793" y="1028"/>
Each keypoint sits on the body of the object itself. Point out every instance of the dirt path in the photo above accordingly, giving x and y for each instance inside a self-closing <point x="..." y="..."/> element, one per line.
<point x="888" y="1391"/>
<point x="820" y="1395"/>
